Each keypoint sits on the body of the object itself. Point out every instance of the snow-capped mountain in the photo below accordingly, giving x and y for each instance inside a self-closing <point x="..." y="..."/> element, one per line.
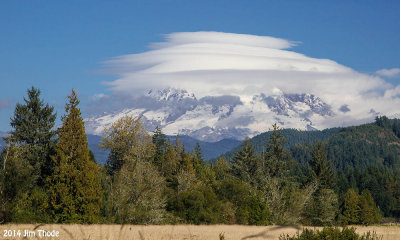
<point x="213" y="118"/>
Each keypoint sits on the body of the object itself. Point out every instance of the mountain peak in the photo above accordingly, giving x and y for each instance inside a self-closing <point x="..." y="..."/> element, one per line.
<point x="213" y="118"/>
<point x="170" y="94"/>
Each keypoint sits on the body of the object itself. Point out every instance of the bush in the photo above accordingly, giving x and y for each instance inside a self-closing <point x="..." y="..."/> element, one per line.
<point x="331" y="234"/>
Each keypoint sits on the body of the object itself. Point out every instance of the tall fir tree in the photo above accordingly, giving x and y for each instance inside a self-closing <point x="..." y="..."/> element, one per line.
<point x="198" y="161"/>
<point x="32" y="125"/>
<point x="321" y="209"/>
<point x="276" y="157"/>
<point x="199" y="152"/>
<point x="244" y="164"/>
<point x="322" y="171"/>
<point x="160" y="142"/>
<point x="75" y="191"/>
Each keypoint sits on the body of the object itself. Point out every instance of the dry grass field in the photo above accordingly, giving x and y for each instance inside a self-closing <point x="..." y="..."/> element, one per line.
<point x="167" y="232"/>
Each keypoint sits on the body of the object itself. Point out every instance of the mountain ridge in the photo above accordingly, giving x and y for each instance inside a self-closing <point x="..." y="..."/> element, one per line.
<point x="213" y="118"/>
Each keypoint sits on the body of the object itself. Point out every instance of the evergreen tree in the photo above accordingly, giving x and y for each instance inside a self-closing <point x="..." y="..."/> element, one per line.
<point x="170" y="165"/>
<point x="276" y="157"/>
<point x="244" y="165"/>
<point x="396" y="127"/>
<point x="351" y="208"/>
<point x="199" y="152"/>
<point x="369" y="213"/>
<point x="159" y="140"/>
<point x="383" y="122"/>
<point x="198" y="163"/>
<point x="275" y="143"/>
<point x="15" y="180"/>
<point x="322" y="208"/>
<point x="75" y="191"/>
<point x="221" y="168"/>
<point x="32" y="125"/>
<point x="322" y="171"/>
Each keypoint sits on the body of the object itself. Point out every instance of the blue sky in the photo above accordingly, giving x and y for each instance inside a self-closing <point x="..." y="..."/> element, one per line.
<point x="60" y="45"/>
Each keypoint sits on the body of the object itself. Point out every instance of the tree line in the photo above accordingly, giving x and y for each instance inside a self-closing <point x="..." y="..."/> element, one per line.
<point x="51" y="176"/>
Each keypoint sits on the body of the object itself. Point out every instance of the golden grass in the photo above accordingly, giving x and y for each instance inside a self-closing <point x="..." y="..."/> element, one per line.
<point x="172" y="232"/>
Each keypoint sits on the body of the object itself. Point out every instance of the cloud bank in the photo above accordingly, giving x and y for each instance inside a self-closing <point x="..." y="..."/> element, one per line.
<point x="217" y="64"/>
<point x="388" y="72"/>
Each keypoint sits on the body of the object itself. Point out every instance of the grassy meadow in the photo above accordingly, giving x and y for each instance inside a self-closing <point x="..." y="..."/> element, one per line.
<point x="167" y="232"/>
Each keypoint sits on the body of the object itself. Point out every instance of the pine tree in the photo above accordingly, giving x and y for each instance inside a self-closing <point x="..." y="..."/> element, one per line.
<point x="198" y="162"/>
<point x="244" y="164"/>
<point x="321" y="209"/>
<point x="275" y="143"/>
<point x="199" y="152"/>
<point x="75" y="190"/>
<point x="32" y="125"/>
<point x="276" y="157"/>
<point x="159" y="140"/>
<point x="321" y="169"/>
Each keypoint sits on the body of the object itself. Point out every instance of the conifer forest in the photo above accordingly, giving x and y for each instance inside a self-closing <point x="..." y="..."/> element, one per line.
<point x="339" y="176"/>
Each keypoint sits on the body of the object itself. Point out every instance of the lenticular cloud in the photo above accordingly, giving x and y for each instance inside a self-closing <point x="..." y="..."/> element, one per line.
<point x="216" y="63"/>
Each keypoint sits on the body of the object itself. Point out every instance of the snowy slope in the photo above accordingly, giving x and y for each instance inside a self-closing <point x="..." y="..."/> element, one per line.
<point x="214" y="118"/>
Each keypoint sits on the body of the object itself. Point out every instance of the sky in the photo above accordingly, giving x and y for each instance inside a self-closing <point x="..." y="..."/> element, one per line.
<point x="106" y="48"/>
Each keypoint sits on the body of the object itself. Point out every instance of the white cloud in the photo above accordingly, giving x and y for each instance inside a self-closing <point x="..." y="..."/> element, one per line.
<point x="388" y="72"/>
<point x="216" y="63"/>
<point x="98" y="96"/>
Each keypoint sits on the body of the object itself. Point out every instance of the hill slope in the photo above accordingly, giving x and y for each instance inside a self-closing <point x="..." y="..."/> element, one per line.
<point x="292" y="136"/>
<point x="210" y="149"/>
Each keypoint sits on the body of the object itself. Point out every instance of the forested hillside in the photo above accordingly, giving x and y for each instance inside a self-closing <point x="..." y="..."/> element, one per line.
<point x="365" y="157"/>
<point x="210" y="149"/>
<point x="292" y="136"/>
<point x="337" y="176"/>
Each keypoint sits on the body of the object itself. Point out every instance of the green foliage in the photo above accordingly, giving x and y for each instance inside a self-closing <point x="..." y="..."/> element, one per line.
<point x="74" y="197"/>
<point x="383" y="122"/>
<point x="32" y="207"/>
<point x="321" y="169"/>
<point x="221" y="169"/>
<point x="151" y="180"/>
<point x="245" y="164"/>
<point x="137" y="194"/>
<point x="248" y="202"/>
<point x="322" y="209"/>
<point x="15" y="179"/>
<point x="276" y="158"/>
<point x="369" y="213"/>
<point x="160" y="142"/>
<point x="351" y="208"/>
<point x="32" y="125"/>
<point x="25" y="162"/>
<point x="331" y="233"/>
<point x="136" y="187"/>
<point x="293" y="137"/>
<point x="199" y="205"/>
<point x="124" y="138"/>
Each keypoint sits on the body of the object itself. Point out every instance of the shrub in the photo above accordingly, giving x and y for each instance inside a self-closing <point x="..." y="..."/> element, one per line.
<point x="331" y="234"/>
